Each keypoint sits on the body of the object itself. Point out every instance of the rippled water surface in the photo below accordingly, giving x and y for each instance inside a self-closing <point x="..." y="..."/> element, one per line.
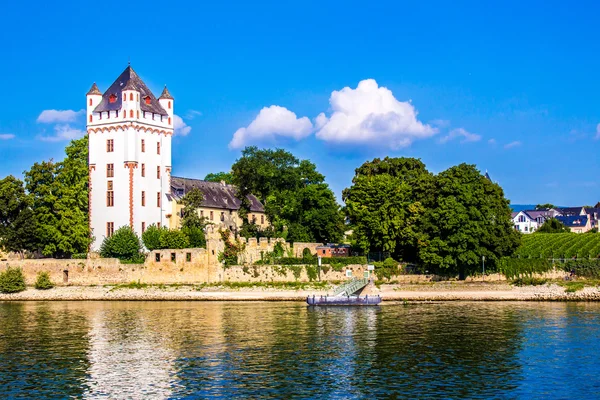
<point x="284" y="350"/>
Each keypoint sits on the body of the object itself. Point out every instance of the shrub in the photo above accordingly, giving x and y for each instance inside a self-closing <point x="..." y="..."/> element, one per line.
<point x="124" y="244"/>
<point x="173" y="239"/>
<point x="12" y="280"/>
<point x="195" y="235"/>
<point x="151" y="237"/>
<point x="43" y="281"/>
<point x="529" y="281"/>
<point x="79" y="256"/>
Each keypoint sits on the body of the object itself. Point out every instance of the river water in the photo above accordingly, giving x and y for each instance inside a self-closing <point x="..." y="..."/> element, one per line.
<point x="284" y="350"/>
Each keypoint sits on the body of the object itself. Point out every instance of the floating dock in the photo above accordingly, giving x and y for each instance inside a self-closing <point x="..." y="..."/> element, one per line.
<point x="344" y="295"/>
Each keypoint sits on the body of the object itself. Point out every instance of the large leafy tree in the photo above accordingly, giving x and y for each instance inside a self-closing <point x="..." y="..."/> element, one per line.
<point x="469" y="219"/>
<point x="17" y="222"/>
<point x="192" y="225"/>
<point x="297" y="201"/>
<point x="59" y="194"/>
<point x="386" y="204"/>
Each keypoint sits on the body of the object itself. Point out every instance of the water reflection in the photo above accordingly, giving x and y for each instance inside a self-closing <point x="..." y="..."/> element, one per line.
<point x="252" y="350"/>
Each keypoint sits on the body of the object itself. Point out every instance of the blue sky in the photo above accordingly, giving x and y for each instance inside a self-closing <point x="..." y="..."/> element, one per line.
<point x="512" y="88"/>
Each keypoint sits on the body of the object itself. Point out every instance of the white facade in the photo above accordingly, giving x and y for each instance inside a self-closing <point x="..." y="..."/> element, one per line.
<point x="134" y="144"/>
<point x="524" y="223"/>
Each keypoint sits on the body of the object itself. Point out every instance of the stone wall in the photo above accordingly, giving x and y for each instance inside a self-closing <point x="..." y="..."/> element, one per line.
<point x="299" y="248"/>
<point x="276" y="273"/>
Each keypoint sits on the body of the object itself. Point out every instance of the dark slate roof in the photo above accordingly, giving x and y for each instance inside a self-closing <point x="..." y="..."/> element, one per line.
<point x="131" y="81"/>
<point x="569" y="210"/>
<point x="216" y="194"/>
<point x="94" y="90"/>
<point x="573" y="221"/>
<point x="165" y="94"/>
<point x="592" y="210"/>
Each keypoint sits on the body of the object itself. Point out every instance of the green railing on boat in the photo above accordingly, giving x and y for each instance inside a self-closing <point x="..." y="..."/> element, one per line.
<point x="350" y="287"/>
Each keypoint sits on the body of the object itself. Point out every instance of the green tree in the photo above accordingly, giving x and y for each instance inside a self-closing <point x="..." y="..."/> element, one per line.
<point x="17" y="222"/>
<point x="298" y="203"/>
<point x="386" y="205"/>
<point x="553" y="225"/>
<point x="151" y="237"/>
<point x="226" y="177"/>
<point x="469" y="219"/>
<point x="544" y="206"/>
<point x="43" y="281"/>
<point x="192" y="225"/>
<point x="124" y="244"/>
<point x="60" y="201"/>
<point x="173" y="239"/>
<point x="12" y="280"/>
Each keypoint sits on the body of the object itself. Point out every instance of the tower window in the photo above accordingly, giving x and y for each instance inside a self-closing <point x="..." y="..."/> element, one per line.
<point x="169" y="120"/>
<point x="158" y="199"/>
<point x="90" y="102"/>
<point x="110" y="170"/>
<point x="143" y="170"/>
<point x="143" y="199"/>
<point x="158" y="172"/>
<point x="143" y="227"/>
<point x="130" y="113"/>
<point x="112" y="98"/>
<point x="169" y="105"/>
<point x="143" y="146"/>
<point x="131" y="96"/>
<point x="110" y="145"/>
<point x="138" y="114"/>
<point x="158" y="148"/>
<point x="124" y="96"/>
<point x="110" y="198"/>
<point x="147" y="99"/>
<point x="90" y="117"/>
<point x="110" y="229"/>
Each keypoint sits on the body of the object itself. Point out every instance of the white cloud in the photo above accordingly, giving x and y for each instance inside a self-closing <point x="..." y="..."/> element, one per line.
<point x="191" y="114"/>
<point x="6" y="136"/>
<point x="492" y="141"/>
<point x="53" y="116"/>
<point x="440" y="123"/>
<point x="269" y="123"/>
<point x="461" y="133"/>
<point x="181" y="128"/>
<point x="63" y="132"/>
<point x="371" y="114"/>
<point x="510" y="145"/>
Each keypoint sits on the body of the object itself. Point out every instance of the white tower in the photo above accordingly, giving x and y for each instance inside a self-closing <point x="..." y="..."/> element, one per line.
<point x="129" y="134"/>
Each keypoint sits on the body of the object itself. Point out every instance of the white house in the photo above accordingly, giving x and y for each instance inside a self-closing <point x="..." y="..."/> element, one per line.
<point x="129" y="132"/>
<point x="524" y="222"/>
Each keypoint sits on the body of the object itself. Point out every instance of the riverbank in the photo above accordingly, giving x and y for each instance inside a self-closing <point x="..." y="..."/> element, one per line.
<point x="439" y="291"/>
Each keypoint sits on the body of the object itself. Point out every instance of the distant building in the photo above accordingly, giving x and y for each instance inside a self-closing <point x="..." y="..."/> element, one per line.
<point x="333" y="250"/>
<point x="576" y="223"/>
<point x="220" y="207"/>
<point x="525" y="223"/>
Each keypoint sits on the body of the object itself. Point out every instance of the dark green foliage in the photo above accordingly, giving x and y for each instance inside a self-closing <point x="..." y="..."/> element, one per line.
<point x="151" y="237"/>
<point x="173" y="239"/>
<point x="387" y="268"/>
<point x="43" y="281"/>
<point x="297" y="202"/>
<point x="306" y="253"/>
<point x="124" y="244"/>
<point x="192" y="201"/>
<point x="529" y="281"/>
<point x="468" y="218"/>
<point x="195" y="236"/>
<point x="311" y="272"/>
<point x="359" y="260"/>
<point x="386" y="204"/>
<point x="544" y="206"/>
<point x="583" y="267"/>
<point x="233" y="248"/>
<point x="12" y="280"/>
<point x="219" y="177"/>
<point x="59" y="194"/>
<point x="514" y="268"/>
<point x="278" y="250"/>
<point x="553" y="226"/>
<point x="18" y="227"/>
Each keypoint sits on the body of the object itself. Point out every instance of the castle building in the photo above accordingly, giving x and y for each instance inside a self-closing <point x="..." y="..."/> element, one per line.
<point x="129" y="132"/>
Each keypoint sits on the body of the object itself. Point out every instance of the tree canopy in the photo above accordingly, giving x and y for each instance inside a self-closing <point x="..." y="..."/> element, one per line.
<point x="226" y="177"/>
<point x="445" y="222"/>
<point x="17" y="222"/>
<point x="553" y="225"/>
<point x="298" y="202"/>
<point x="544" y="206"/>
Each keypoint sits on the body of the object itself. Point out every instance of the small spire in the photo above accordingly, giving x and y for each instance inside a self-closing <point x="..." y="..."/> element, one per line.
<point x="94" y="90"/>
<point x="165" y="94"/>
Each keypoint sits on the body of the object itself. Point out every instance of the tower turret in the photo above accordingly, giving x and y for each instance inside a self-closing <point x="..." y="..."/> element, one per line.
<point x="94" y="96"/>
<point x="167" y="102"/>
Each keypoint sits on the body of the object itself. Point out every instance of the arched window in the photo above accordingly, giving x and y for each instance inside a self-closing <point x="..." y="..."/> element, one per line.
<point x="138" y="114"/>
<point x="169" y="120"/>
<point x="112" y="98"/>
<point x="90" y="102"/>
<point x="130" y="96"/>
<point x="124" y="96"/>
<point x="169" y="105"/>
<point x="130" y="113"/>
<point x="90" y="118"/>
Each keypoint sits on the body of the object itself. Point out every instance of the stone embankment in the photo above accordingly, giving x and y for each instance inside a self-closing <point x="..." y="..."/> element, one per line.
<point x="434" y="292"/>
